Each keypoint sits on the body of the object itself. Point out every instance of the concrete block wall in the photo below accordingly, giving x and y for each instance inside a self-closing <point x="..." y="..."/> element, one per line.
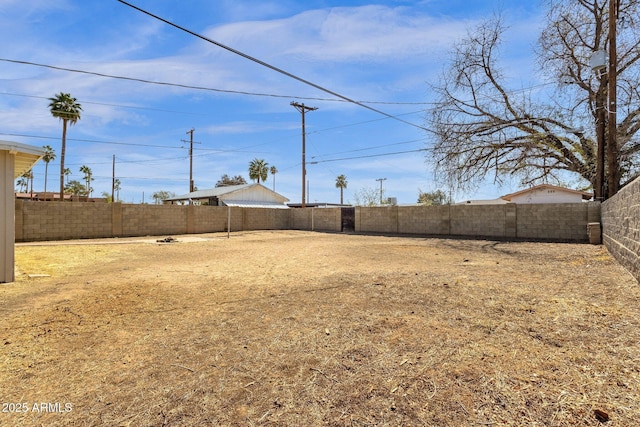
<point x="326" y="219"/>
<point x="478" y="220"/>
<point x="430" y="220"/>
<point x="265" y="219"/>
<point x="60" y="221"/>
<point x="438" y="220"/>
<point x="301" y="219"/>
<point x="37" y="221"/>
<point x="560" y="221"/>
<point x="149" y="220"/>
<point x="621" y="227"/>
<point x="378" y="219"/>
<point x="321" y="219"/>
<point x="207" y="219"/>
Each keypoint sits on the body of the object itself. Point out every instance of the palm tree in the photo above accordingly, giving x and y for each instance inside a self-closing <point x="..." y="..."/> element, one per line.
<point x="23" y="182"/>
<point x="49" y="155"/>
<point x="116" y="188"/>
<point x="88" y="177"/>
<point x="64" y="107"/>
<point x="274" y="171"/>
<point x="29" y="176"/>
<point x="67" y="172"/>
<point x="341" y="183"/>
<point x="258" y="169"/>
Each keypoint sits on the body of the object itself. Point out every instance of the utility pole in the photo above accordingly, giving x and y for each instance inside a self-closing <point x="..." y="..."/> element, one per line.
<point x="113" y="179"/>
<point x="381" y="179"/>
<point x="303" y="108"/>
<point x="190" y="132"/>
<point x="612" y="144"/>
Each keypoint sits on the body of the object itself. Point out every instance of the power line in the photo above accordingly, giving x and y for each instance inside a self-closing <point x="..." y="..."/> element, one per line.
<point x="185" y="86"/>
<point x="371" y="155"/>
<point x="133" y="107"/>
<point x="274" y="68"/>
<point x="369" y="148"/>
<point x="364" y="122"/>
<point x="91" y="140"/>
<point x="72" y="70"/>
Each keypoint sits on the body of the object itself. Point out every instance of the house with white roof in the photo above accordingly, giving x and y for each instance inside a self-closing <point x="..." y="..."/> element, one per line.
<point x="543" y="193"/>
<point x="244" y="195"/>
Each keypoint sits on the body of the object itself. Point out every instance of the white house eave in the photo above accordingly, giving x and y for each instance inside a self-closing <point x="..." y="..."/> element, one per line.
<point x="25" y="156"/>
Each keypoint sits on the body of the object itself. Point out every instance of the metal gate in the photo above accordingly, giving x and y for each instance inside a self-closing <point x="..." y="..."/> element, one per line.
<point x="348" y="219"/>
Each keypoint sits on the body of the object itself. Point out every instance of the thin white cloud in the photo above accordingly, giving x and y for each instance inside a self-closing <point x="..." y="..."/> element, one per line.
<point x="345" y="34"/>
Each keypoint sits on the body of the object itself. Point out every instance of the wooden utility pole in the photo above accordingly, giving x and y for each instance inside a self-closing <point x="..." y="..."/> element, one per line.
<point x="303" y="108"/>
<point x="381" y="179"/>
<point x="190" y="132"/>
<point x="113" y="179"/>
<point x="601" y="118"/>
<point x="612" y="143"/>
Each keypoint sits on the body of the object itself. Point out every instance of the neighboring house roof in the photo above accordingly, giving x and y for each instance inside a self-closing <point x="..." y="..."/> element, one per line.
<point x="250" y="204"/>
<point x="212" y="192"/>
<point x="246" y="195"/>
<point x="483" y="202"/>
<point x="43" y="196"/>
<point x="584" y="195"/>
<point x="319" y="205"/>
<point x="535" y="195"/>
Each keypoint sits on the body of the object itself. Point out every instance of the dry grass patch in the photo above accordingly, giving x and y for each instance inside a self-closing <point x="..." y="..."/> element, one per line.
<point x="297" y="328"/>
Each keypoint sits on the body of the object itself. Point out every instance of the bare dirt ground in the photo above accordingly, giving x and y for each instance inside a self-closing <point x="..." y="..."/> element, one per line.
<point x="298" y="329"/>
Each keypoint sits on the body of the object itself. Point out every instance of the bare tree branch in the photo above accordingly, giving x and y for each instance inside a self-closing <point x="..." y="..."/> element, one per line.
<point x="483" y="129"/>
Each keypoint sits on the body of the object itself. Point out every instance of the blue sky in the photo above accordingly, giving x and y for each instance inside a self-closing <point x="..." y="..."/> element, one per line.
<point x="383" y="54"/>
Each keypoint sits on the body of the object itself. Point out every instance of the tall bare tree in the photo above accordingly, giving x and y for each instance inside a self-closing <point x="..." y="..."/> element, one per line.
<point x="226" y="180"/>
<point x="485" y="128"/>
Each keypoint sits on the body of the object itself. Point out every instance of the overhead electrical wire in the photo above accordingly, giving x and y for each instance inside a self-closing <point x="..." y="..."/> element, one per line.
<point x="272" y="67"/>
<point x="91" y="140"/>
<point x="133" y="107"/>
<point x="368" y="148"/>
<point x="368" y="156"/>
<point x="207" y="151"/>
<point x="185" y="86"/>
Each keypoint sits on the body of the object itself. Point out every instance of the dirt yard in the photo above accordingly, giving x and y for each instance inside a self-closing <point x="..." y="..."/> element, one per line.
<point x="304" y="329"/>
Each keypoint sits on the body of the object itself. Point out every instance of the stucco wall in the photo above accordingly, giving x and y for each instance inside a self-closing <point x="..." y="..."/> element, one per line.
<point x="621" y="227"/>
<point x="60" y="221"/>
